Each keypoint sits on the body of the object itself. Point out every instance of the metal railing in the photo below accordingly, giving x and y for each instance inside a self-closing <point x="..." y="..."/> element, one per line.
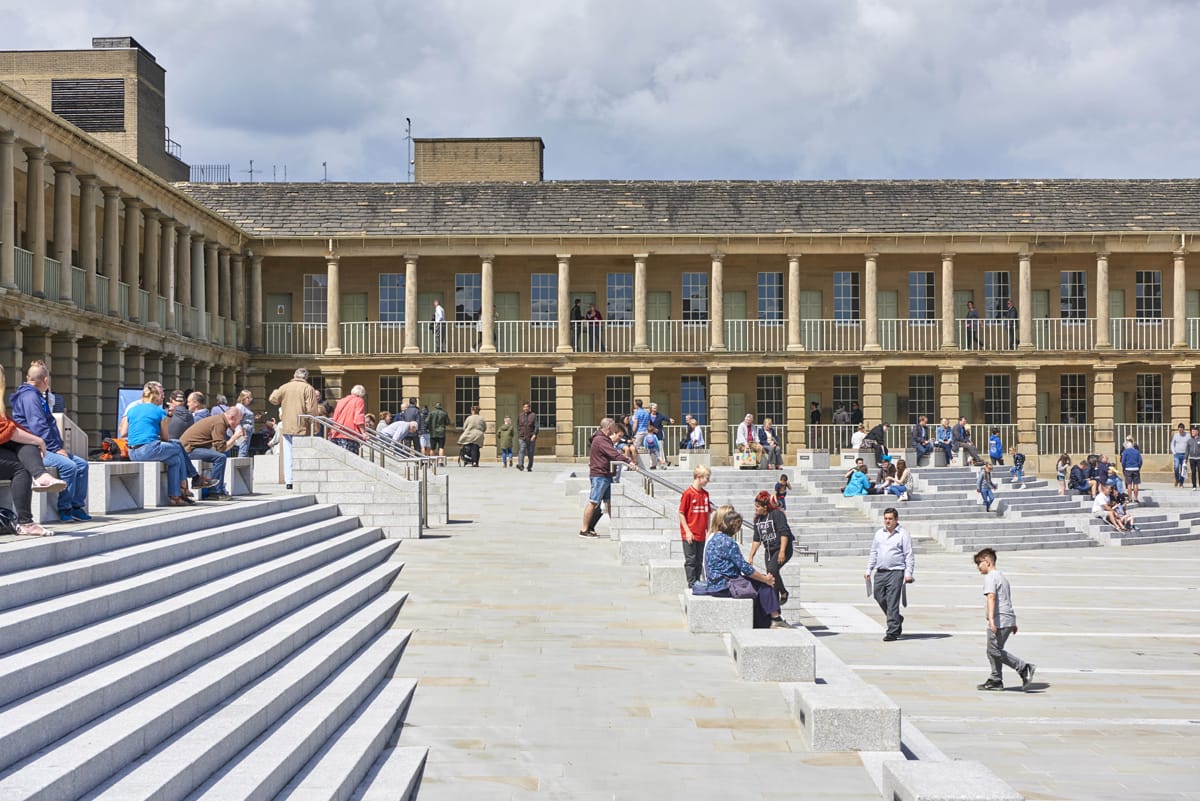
<point x="24" y="265"/>
<point x="123" y="300"/>
<point x="1193" y="333"/>
<point x="1151" y="438"/>
<point x="161" y="304"/>
<point x="678" y="336"/>
<point x="178" y="307"/>
<point x="144" y="304"/>
<point x="294" y="339"/>
<point x="51" y="271"/>
<point x="670" y="439"/>
<point x="830" y="437"/>
<point x="78" y="279"/>
<point x="987" y="334"/>
<point x="1068" y="438"/>
<point x="908" y="335"/>
<point x="525" y="336"/>
<point x="832" y="335"/>
<point x="756" y="336"/>
<point x="102" y="282"/>
<point x="1141" y="333"/>
<point x="196" y="327"/>
<point x="602" y="336"/>
<point x="1064" y="335"/>
<point x="216" y="332"/>
<point x="373" y="337"/>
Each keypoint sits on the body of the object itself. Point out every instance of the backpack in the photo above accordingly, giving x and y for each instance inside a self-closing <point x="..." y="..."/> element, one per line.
<point x="114" y="449"/>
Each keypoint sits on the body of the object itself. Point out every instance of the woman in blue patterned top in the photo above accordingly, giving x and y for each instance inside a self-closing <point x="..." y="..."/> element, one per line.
<point x="723" y="561"/>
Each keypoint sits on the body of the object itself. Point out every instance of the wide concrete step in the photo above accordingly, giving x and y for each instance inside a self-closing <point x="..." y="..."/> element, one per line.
<point x="252" y="746"/>
<point x="395" y="776"/>
<point x="1151" y="538"/>
<point x="258" y="632"/>
<point x="48" y="662"/>
<point x="305" y="646"/>
<point x="63" y="613"/>
<point x="63" y="548"/>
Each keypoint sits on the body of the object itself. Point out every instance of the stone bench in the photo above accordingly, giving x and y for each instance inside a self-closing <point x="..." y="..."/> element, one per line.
<point x="774" y="655"/>
<point x="667" y="576"/>
<point x="812" y="460"/>
<point x="239" y="473"/>
<point x="690" y="458"/>
<point x="708" y="615"/>
<point x="639" y="549"/>
<point x="115" y="487"/>
<point x="962" y="780"/>
<point x="44" y="505"/>
<point x="841" y="712"/>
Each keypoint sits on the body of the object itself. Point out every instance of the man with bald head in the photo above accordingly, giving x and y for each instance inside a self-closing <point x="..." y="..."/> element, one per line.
<point x="206" y="441"/>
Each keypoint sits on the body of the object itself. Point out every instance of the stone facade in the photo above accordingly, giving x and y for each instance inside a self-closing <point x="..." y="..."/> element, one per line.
<point x="456" y="160"/>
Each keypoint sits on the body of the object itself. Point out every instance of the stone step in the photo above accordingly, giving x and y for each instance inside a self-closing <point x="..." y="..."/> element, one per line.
<point x="291" y="656"/>
<point x="46" y="663"/>
<point x="1145" y="538"/>
<point x="395" y="776"/>
<point x="329" y="593"/>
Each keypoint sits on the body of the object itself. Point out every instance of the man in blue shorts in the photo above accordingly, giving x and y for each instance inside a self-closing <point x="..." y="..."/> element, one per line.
<point x="601" y="455"/>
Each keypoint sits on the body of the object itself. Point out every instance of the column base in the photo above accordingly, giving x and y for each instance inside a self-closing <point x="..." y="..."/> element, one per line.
<point x="1179" y="346"/>
<point x="564" y="349"/>
<point x="873" y="347"/>
<point x="488" y="349"/>
<point x="949" y="346"/>
<point x="333" y="351"/>
<point x="9" y="286"/>
<point x="718" y="349"/>
<point x="41" y="295"/>
<point x="1104" y="346"/>
<point x="66" y="301"/>
<point x="1025" y="347"/>
<point x="795" y="348"/>
<point x="641" y="348"/>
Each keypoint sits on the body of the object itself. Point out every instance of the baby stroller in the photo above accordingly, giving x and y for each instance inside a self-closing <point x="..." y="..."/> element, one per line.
<point x="468" y="456"/>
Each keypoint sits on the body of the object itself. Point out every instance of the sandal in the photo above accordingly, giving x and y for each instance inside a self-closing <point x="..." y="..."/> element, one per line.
<point x="176" y="502"/>
<point x="48" y="483"/>
<point x="33" y="530"/>
<point x="783" y="598"/>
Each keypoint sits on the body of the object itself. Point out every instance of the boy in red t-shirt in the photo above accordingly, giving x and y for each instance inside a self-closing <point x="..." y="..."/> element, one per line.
<point x="694" y="513"/>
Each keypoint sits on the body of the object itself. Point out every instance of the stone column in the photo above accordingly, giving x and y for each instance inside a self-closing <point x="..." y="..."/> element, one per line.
<point x="87" y="239"/>
<point x="90" y="387"/>
<point x="564" y="304"/>
<point x="487" y="312"/>
<point x="1181" y="393"/>
<point x="166" y="280"/>
<point x="794" y="340"/>
<point x="170" y="372"/>
<point x="872" y="396"/>
<point x="487" y="407"/>
<point x="1027" y="385"/>
<point x="132" y="260"/>
<point x="1179" y="296"/>
<point x="187" y="375"/>
<point x="135" y="368"/>
<point x="39" y="344"/>
<point x="199" y="284"/>
<point x="411" y="313"/>
<point x="1025" y="309"/>
<point x="1103" y="337"/>
<point x="796" y="403"/>
<point x="333" y="385"/>
<point x="1102" y="411"/>
<point x="949" y="323"/>
<point x="112" y="247"/>
<point x="65" y="351"/>
<point x="256" y="381"/>
<point x="641" y="383"/>
<point x="948" y="392"/>
<point x="153" y="367"/>
<point x="237" y="275"/>
<point x="716" y="331"/>
<point x="410" y="384"/>
<point x="333" y="319"/>
<point x="870" y="307"/>
<point x="225" y="298"/>
<point x="640" y="325"/>
<point x="12" y="352"/>
<point x="256" y="304"/>
<point x="151" y="232"/>
<point x="64" y="173"/>
<point x="8" y="204"/>
<point x="211" y="290"/>
<point x="183" y="279"/>
<point x="718" y="414"/>
<point x="112" y="378"/>
<point x="35" y="215"/>
<point x="564" y="403"/>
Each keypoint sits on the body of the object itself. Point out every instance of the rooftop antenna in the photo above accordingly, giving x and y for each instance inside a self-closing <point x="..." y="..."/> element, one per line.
<point x="409" y="148"/>
<point x="250" y="171"/>
<point x="325" y="169"/>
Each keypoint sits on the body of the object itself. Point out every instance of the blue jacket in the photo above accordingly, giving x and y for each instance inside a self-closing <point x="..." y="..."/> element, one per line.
<point x="1131" y="459"/>
<point x="723" y="560"/>
<point x="30" y="410"/>
<point x="995" y="447"/>
<point x="859" y="484"/>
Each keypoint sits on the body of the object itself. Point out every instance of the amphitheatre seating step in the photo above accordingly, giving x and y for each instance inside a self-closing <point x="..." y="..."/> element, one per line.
<point x="667" y="576"/>
<point x="115" y="487"/>
<point x="395" y="776"/>
<point x="32" y="668"/>
<point x="708" y="615"/>
<point x="39" y="719"/>
<point x="774" y="655"/>
<point x="841" y="712"/>
<point x="639" y="549"/>
<point x="239" y="474"/>
<point x="290" y="657"/>
<point x="926" y="780"/>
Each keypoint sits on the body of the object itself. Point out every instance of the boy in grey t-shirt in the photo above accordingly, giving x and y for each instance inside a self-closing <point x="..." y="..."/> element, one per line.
<point x="1001" y="622"/>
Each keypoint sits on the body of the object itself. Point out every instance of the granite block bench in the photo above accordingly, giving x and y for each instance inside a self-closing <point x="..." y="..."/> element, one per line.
<point x="639" y="549"/>
<point x="115" y="487"/>
<point x="841" y="712"/>
<point x="964" y="780"/>
<point x="239" y="474"/>
<point x="44" y="504"/>
<point x="781" y="655"/>
<point x="709" y="615"/>
<point x="667" y="576"/>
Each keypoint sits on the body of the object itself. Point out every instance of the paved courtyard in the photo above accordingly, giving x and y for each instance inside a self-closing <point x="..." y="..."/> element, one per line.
<point x="548" y="671"/>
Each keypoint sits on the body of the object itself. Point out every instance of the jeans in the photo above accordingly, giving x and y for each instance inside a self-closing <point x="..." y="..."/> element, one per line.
<point x="897" y="489"/>
<point x="525" y="453"/>
<point x="217" y="459"/>
<point x="996" y="654"/>
<point x="988" y="496"/>
<point x="1180" y="458"/>
<point x="169" y="453"/>
<point x="1018" y="474"/>
<point x="922" y="451"/>
<point x="888" y="587"/>
<point x="506" y="456"/>
<point x="287" y="458"/>
<point x="947" y="449"/>
<point x="244" y="446"/>
<point x="74" y="471"/>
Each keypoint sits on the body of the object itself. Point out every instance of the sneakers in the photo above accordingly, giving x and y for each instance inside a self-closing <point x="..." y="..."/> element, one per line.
<point x="891" y="637"/>
<point x="80" y="515"/>
<point x="520" y="467"/>
<point x="904" y="497"/>
<point x="588" y="535"/>
<point x="780" y="623"/>
<point x="993" y="684"/>
<point x="199" y="482"/>
<point x="1027" y="675"/>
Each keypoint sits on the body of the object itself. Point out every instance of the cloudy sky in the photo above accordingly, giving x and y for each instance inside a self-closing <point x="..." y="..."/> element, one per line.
<point x="669" y="89"/>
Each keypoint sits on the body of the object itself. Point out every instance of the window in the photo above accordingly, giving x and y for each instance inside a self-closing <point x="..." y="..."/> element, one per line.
<point x="618" y="396"/>
<point x="543" y="297"/>
<point x="770" y="399"/>
<point x="920" y="398"/>
<point x="316" y="298"/>
<point x="921" y="301"/>
<point x="468" y="296"/>
<point x="1072" y="293"/>
<point x="996" y="292"/>
<point x="693" y="397"/>
<point x="997" y="400"/>
<point x="93" y="104"/>
<point x="391" y="393"/>
<point x="391" y="298"/>
<point x="620" y="296"/>
<point x="318" y="383"/>
<point x="1149" y="294"/>
<point x="845" y="390"/>
<point x="846" y="297"/>
<point x="1072" y="390"/>
<point x="1149" y="398"/>
<point x="695" y="296"/>
<point x="543" y="401"/>
<point x="770" y="296"/>
<point x="466" y="395"/>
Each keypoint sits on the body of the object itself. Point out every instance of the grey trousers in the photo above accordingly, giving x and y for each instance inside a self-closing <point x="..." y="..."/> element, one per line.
<point x="887" y="594"/>
<point x="996" y="654"/>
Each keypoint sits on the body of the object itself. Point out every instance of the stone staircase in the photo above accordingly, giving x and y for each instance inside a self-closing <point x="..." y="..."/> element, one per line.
<point x="238" y="652"/>
<point x="1151" y="529"/>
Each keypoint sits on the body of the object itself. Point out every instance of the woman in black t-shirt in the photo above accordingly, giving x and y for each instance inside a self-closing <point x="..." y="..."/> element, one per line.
<point x="772" y="532"/>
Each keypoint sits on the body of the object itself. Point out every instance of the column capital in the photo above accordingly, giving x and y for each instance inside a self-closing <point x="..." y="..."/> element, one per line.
<point x="795" y="256"/>
<point x="1102" y="254"/>
<point x="948" y="255"/>
<point x="871" y="256"/>
<point x="234" y="257"/>
<point x="492" y="371"/>
<point x="225" y="250"/>
<point x="563" y="256"/>
<point x="256" y="260"/>
<point x="641" y="370"/>
<point x="198" y="236"/>
<point x="641" y="256"/>
<point x="35" y="153"/>
<point x="110" y="192"/>
<point x="794" y="368"/>
<point x="563" y="370"/>
<point x="63" y="166"/>
<point x="330" y="258"/>
<point x="1025" y="255"/>
<point x="7" y="137"/>
<point x="411" y="258"/>
<point x="151" y="213"/>
<point x="132" y="203"/>
<point x="717" y="256"/>
<point x="487" y="257"/>
<point x="719" y="371"/>
<point x="167" y="222"/>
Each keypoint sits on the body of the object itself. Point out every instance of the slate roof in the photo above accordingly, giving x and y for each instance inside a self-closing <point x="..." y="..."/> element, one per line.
<point x="725" y="208"/>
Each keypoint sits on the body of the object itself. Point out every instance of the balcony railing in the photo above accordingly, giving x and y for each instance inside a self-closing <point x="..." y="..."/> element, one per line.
<point x="178" y="307"/>
<point x="216" y="329"/>
<point x="780" y="430"/>
<point x="1064" y="335"/>
<point x="102" y="294"/>
<point x="123" y="300"/>
<point x="604" y="336"/>
<point x="672" y="435"/>
<point x="1151" y="438"/>
<point x="756" y="336"/>
<point x="831" y="437"/>
<point x="678" y="336"/>
<point x="78" y="278"/>
<point x="51" y="276"/>
<point x="910" y="335"/>
<point x="369" y="338"/>
<point x="1141" y="333"/>
<point x="144" y="304"/>
<point x="1193" y="333"/>
<point x="24" y="263"/>
<point x="517" y="336"/>
<point x="832" y="335"/>
<point x="987" y="334"/>
<point x="162" y="310"/>
<point x="195" y="323"/>
<point x="294" y="339"/>
<point x="1073" y="439"/>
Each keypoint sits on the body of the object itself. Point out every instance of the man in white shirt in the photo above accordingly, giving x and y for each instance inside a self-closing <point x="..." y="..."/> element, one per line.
<point x="439" y="326"/>
<point x="892" y="563"/>
<point x="747" y="436"/>
<point x="856" y="439"/>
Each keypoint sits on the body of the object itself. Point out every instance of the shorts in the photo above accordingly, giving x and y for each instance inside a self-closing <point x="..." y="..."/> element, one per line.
<point x="1133" y="477"/>
<point x="601" y="489"/>
<point x="425" y="441"/>
<point x="437" y="442"/>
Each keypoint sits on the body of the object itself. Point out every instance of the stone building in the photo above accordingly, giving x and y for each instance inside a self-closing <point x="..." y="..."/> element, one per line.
<point x="716" y="298"/>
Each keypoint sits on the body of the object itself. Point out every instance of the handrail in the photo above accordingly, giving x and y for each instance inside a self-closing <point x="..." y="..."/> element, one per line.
<point x="394" y="445"/>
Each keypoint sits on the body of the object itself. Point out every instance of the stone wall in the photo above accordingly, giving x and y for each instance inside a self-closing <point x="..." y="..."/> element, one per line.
<point x="443" y="160"/>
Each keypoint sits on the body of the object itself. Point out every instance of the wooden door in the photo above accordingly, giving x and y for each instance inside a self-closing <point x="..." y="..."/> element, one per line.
<point x="735" y="309"/>
<point x="658" y="307"/>
<point x="506" y="306"/>
<point x="279" y="307"/>
<point x="811" y="309"/>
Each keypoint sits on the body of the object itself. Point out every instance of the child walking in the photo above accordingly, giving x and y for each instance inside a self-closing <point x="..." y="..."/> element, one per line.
<point x="996" y="447"/>
<point x="695" y="510"/>
<point x="1001" y="623"/>
<point x="781" y="490"/>
<point x="774" y="535"/>
<point x="1017" y="471"/>
<point x="986" y="487"/>
<point x="505" y="435"/>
